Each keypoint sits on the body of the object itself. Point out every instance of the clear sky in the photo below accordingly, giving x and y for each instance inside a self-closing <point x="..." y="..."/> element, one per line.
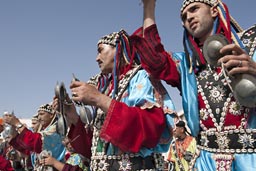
<point x="45" y="41"/>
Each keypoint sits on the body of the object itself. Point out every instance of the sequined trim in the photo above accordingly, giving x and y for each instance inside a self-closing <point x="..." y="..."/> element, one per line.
<point x="249" y="40"/>
<point x="125" y="164"/>
<point x="214" y="96"/>
<point x="230" y="141"/>
<point x="101" y="162"/>
<point x="223" y="161"/>
<point x="215" y="93"/>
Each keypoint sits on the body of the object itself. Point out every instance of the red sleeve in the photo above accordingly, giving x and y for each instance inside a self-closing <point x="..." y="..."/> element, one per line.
<point x="81" y="136"/>
<point x="19" y="147"/>
<point x="5" y="165"/>
<point x="16" y="145"/>
<point x="68" y="167"/>
<point x="27" y="141"/>
<point x="131" y="128"/>
<point x="154" y="59"/>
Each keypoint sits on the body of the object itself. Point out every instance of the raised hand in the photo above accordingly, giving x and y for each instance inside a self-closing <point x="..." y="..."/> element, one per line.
<point x="89" y="95"/>
<point x="69" y="109"/>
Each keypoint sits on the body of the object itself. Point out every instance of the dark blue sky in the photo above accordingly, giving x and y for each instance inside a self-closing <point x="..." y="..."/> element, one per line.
<point x="42" y="42"/>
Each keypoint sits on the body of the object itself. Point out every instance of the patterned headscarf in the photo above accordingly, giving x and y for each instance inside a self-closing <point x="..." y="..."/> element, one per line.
<point x="110" y="39"/>
<point x="187" y="2"/>
<point x="125" y="57"/>
<point x="46" y="108"/>
<point x="35" y="117"/>
<point x="223" y="24"/>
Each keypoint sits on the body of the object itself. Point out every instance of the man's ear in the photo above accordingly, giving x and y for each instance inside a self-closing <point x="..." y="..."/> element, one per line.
<point x="51" y="115"/>
<point x="214" y="11"/>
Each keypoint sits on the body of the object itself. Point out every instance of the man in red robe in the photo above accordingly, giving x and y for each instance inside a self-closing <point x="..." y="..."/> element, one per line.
<point x="45" y="140"/>
<point x="133" y="113"/>
<point x="5" y="165"/>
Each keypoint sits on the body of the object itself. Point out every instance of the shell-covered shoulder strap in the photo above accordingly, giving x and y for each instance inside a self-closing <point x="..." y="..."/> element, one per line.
<point x="94" y="80"/>
<point x="248" y="38"/>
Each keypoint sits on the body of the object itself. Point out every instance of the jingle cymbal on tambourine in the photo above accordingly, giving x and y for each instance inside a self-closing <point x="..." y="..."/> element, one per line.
<point x="8" y="130"/>
<point x="211" y="48"/>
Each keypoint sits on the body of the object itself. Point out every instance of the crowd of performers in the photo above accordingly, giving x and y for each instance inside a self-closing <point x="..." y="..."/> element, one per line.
<point x="180" y="154"/>
<point x="132" y="121"/>
<point x="39" y="147"/>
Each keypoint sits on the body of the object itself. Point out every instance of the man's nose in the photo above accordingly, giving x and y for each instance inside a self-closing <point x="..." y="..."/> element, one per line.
<point x="189" y="17"/>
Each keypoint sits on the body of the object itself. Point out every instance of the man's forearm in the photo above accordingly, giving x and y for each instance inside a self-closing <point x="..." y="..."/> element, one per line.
<point x="148" y="13"/>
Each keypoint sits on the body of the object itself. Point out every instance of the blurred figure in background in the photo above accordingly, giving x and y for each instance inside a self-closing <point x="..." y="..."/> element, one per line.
<point x="35" y="124"/>
<point x="182" y="151"/>
<point x="5" y="164"/>
<point x="74" y="161"/>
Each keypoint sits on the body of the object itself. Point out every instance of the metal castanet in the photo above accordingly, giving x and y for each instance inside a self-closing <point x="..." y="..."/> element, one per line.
<point x="212" y="46"/>
<point x="85" y="113"/>
<point x="61" y="94"/>
<point x="8" y="129"/>
<point x="242" y="85"/>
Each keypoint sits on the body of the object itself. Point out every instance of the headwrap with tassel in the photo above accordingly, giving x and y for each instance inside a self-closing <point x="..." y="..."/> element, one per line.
<point x="125" y="58"/>
<point x="223" y="24"/>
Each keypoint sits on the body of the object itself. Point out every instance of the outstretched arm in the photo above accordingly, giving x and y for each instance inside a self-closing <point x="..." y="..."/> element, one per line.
<point x="154" y="59"/>
<point x="148" y="13"/>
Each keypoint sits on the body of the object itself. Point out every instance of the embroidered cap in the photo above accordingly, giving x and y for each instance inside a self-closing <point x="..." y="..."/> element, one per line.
<point x="110" y="39"/>
<point x="187" y="2"/>
<point x="34" y="117"/>
<point x="46" y="108"/>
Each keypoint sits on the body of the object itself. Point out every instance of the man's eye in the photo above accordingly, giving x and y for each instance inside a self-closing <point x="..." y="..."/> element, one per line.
<point x="193" y="8"/>
<point x="183" y="17"/>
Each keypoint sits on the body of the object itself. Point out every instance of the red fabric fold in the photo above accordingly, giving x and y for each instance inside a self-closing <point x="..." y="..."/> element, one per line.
<point x="82" y="139"/>
<point x="5" y="165"/>
<point x="68" y="167"/>
<point x="131" y="128"/>
<point x="27" y="141"/>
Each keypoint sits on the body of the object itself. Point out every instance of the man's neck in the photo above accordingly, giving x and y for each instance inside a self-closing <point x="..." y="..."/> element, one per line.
<point x="182" y="137"/>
